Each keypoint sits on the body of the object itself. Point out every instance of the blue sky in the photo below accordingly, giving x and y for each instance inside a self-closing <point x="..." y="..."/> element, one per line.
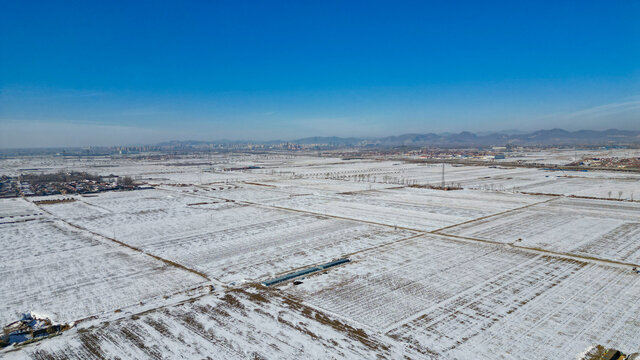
<point x="81" y="72"/>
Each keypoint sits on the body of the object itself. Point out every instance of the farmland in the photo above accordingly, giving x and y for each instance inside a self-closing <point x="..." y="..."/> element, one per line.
<point x="466" y="299"/>
<point x="587" y="227"/>
<point x="56" y="269"/>
<point x="520" y="263"/>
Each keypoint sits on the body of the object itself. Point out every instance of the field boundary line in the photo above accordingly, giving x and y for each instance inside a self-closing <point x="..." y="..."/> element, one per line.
<point x="583" y="258"/>
<point x="440" y="233"/>
<point x="496" y="214"/>
<point x="121" y="243"/>
<point x="245" y="202"/>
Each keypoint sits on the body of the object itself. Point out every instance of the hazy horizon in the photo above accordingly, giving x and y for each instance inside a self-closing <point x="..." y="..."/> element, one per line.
<point x="257" y="141"/>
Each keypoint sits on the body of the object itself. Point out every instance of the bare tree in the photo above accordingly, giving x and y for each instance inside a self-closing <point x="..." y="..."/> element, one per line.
<point x="125" y="181"/>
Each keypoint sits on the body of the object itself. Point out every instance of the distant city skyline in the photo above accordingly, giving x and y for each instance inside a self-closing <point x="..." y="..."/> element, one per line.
<point x="122" y="73"/>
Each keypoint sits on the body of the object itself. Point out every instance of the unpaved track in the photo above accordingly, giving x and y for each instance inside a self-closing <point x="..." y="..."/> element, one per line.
<point x="166" y="261"/>
<point x="440" y="230"/>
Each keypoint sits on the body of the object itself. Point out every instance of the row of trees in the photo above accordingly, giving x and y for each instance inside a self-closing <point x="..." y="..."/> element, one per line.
<point x="66" y="177"/>
<point x="59" y="177"/>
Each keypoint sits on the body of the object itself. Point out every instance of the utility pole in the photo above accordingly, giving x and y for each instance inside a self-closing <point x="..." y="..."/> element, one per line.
<point x="443" y="175"/>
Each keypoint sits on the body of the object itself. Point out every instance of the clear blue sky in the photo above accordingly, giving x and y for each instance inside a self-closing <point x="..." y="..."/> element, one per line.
<point x="110" y="72"/>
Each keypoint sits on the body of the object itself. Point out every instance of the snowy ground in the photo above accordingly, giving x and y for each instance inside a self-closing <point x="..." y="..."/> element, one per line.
<point x="602" y="229"/>
<point x="49" y="267"/>
<point x="566" y="156"/>
<point x="466" y="300"/>
<point x="229" y="241"/>
<point x="509" y="267"/>
<point x="239" y="324"/>
<point x="421" y="209"/>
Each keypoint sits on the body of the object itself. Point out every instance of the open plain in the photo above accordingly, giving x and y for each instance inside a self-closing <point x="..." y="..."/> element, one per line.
<point x="522" y="263"/>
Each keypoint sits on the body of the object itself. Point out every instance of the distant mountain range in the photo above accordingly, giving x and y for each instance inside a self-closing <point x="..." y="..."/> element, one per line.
<point x="541" y="137"/>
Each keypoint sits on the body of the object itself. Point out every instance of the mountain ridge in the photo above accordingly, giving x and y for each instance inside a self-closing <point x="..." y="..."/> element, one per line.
<point x="545" y="137"/>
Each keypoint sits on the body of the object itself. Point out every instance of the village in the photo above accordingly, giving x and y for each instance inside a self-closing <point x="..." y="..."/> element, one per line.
<point x="60" y="184"/>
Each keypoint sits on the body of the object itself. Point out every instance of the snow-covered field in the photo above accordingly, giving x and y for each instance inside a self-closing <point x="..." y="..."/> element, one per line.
<point x="240" y="324"/>
<point x="17" y="210"/>
<point x="415" y="208"/>
<point x="509" y="267"/>
<point x="470" y="300"/>
<point x="566" y="156"/>
<point x="603" y="229"/>
<point x="229" y="241"/>
<point x="52" y="268"/>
